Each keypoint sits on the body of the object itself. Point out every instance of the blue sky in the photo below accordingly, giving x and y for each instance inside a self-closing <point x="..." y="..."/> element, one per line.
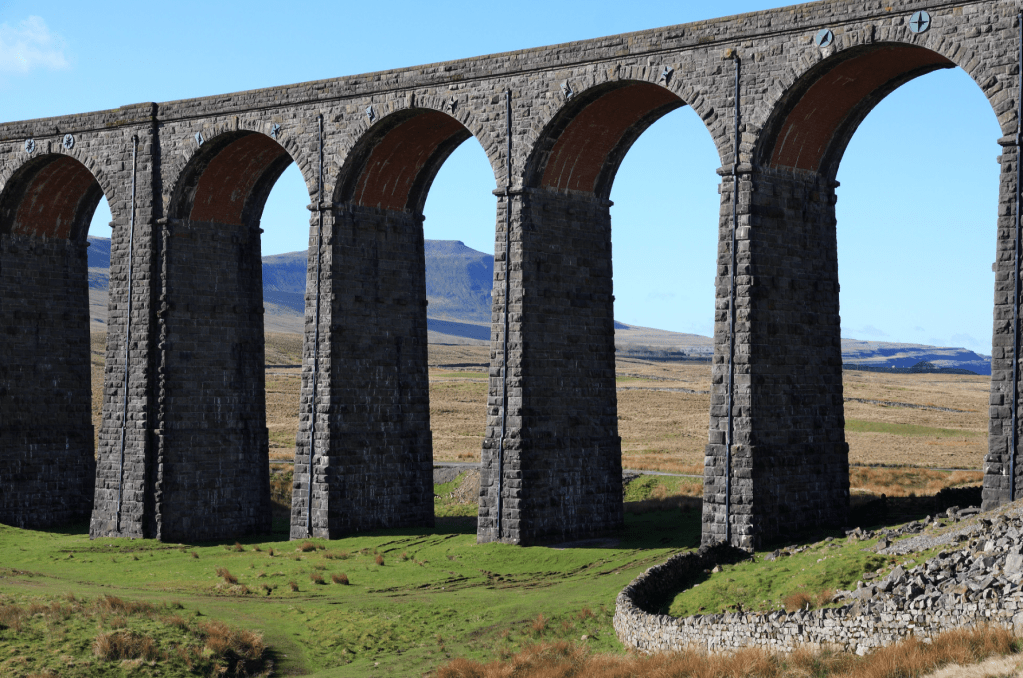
<point x="916" y="209"/>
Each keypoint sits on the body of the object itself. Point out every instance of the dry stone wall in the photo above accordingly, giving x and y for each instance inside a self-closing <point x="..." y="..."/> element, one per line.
<point x="977" y="581"/>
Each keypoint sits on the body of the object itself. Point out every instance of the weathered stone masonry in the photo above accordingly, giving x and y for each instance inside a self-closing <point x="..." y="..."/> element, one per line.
<point x="195" y="433"/>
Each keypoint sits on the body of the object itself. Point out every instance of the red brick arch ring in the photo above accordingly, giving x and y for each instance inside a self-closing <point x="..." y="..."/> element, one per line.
<point x="228" y="179"/>
<point x="394" y="162"/>
<point x="52" y="195"/>
<point x="812" y="122"/>
<point x="584" y="144"/>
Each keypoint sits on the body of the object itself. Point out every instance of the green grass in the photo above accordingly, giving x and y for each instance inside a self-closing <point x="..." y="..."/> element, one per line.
<point x="282" y="438"/>
<point x="645" y="487"/>
<point x="471" y="375"/>
<point x="437" y="595"/>
<point x="862" y="426"/>
<point x="445" y="507"/>
<point x="761" y="585"/>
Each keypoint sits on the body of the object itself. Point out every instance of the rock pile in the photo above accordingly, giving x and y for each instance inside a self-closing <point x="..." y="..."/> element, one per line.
<point x="979" y="581"/>
<point x="990" y="566"/>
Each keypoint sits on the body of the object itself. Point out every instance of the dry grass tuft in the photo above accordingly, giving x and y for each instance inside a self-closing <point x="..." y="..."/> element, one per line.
<point x="341" y="578"/>
<point x="242" y="649"/>
<point x="799" y="600"/>
<point x="121" y="645"/>
<point x="294" y="585"/>
<point x="114" y="605"/>
<point x="316" y="578"/>
<point x="238" y="547"/>
<point x="11" y="616"/>
<point x="379" y="560"/>
<point x="336" y="555"/>
<point x="228" y="578"/>
<point x="307" y="547"/>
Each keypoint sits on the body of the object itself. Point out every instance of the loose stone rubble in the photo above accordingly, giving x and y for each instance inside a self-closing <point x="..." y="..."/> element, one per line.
<point x="979" y="580"/>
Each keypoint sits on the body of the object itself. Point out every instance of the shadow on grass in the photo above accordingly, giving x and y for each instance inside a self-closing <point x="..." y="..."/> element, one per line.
<point x="668" y="527"/>
<point x="71" y="529"/>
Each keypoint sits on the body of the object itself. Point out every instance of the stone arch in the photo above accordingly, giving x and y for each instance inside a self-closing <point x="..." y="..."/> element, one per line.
<point x="229" y="178"/>
<point x="393" y="162"/>
<point x="810" y="118"/>
<point x="52" y="195"/>
<point x="582" y="146"/>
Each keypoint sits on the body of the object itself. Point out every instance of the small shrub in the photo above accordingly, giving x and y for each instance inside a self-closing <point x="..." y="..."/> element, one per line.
<point x="341" y="578"/>
<point x="270" y="552"/>
<point x="194" y="554"/>
<point x="379" y="559"/>
<point x="257" y="549"/>
<point x="316" y="578"/>
<point x="227" y="576"/>
<point x="306" y="547"/>
<point x="238" y="547"/>
<point x="294" y="585"/>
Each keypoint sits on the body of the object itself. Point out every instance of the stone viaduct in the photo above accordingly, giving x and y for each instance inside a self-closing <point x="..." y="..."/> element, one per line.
<point x="183" y="442"/>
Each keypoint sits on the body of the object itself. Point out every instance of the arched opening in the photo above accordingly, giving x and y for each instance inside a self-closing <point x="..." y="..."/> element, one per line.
<point x="46" y="433"/>
<point x="915" y="248"/>
<point x="568" y="451"/>
<point x="377" y="435"/>
<point x="798" y="427"/>
<point x="215" y="445"/>
<point x="284" y="247"/>
<point x="664" y="244"/>
<point x="99" y="304"/>
<point x="458" y="231"/>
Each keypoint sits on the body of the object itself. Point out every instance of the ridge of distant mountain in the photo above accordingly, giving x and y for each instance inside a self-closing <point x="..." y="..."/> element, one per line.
<point x="459" y="280"/>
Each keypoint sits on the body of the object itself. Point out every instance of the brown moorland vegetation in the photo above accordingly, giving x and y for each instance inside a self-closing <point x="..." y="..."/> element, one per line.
<point x="663" y="410"/>
<point x="909" y="658"/>
<point x="133" y="634"/>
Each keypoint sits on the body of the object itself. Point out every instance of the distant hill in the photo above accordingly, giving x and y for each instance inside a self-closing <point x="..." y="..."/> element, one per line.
<point x="884" y="354"/>
<point x="459" y="281"/>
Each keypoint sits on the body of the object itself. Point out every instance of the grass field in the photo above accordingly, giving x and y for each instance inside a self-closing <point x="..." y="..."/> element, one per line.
<point x="414" y="598"/>
<point x="394" y="602"/>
